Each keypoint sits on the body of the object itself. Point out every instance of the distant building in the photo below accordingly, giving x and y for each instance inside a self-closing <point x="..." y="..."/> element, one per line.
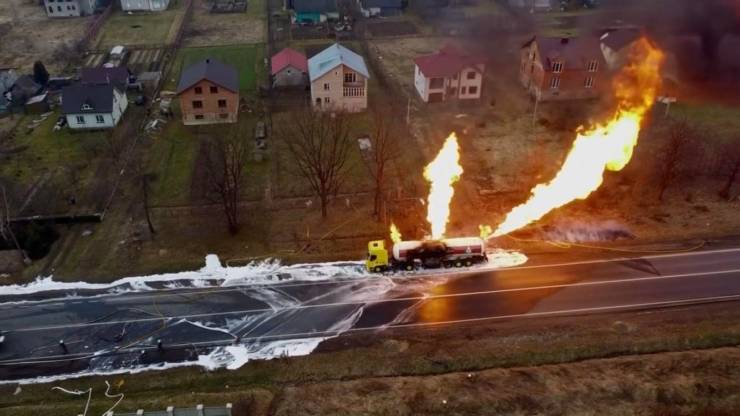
<point x="563" y="68"/>
<point x="449" y="74"/>
<point x="382" y="7"/>
<point x="532" y="5"/>
<point x="338" y="80"/>
<point x="69" y="8"/>
<point x="93" y="106"/>
<point x="144" y="5"/>
<point x="289" y="68"/>
<point x="209" y="93"/>
<point x="312" y="11"/>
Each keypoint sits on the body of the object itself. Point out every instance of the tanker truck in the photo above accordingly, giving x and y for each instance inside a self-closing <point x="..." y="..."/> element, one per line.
<point x="411" y="255"/>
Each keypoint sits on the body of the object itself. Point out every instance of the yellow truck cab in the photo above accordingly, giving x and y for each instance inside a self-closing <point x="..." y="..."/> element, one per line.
<point x="377" y="257"/>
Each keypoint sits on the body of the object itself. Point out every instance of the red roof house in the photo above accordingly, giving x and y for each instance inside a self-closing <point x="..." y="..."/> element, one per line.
<point x="289" y="68"/>
<point x="449" y="73"/>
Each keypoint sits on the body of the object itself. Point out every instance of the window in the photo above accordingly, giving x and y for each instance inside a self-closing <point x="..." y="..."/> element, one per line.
<point x="463" y="91"/>
<point x="557" y="67"/>
<point x="326" y="100"/>
<point x="199" y="116"/>
<point x="436" y="83"/>
<point x="373" y="257"/>
<point x="51" y="9"/>
<point x="59" y="8"/>
<point x="86" y="107"/>
<point x="473" y="90"/>
<point x="221" y="103"/>
<point x="198" y="90"/>
<point x="223" y="115"/>
<point x="555" y="82"/>
<point x="80" y="119"/>
<point x="471" y="75"/>
<point x="589" y="82"/>
<point x="326" y="86"/>
<point x="197" y="104"/>
<point x="214" y="90"/>
<point x="593" y="66"/>
<point x="350" y="77"/>
<point x="99" y="119"/>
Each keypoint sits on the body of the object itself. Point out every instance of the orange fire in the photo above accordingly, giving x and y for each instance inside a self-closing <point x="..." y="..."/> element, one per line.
<point x="606" y="146"/>
<point x="441" y="174"/>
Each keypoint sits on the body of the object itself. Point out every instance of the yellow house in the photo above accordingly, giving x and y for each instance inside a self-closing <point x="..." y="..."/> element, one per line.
<point x="338" y="80"/>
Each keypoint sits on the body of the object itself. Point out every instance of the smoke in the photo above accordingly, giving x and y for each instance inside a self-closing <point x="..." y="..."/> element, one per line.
<point x="585" y="232"/>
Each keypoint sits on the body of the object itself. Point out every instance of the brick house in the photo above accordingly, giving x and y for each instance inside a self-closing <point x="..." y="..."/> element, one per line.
<point x="449" y="74"/>
<point x="338" y="80"/>
<point x="209" y="93"/>
<point x="289" y="68"/>
<point x="563" y="68"/>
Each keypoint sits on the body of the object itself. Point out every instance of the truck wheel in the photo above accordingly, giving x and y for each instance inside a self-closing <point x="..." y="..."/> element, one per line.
<point x="378" y="269"/>
<point x="447" y="265"/>
<point x="468" y="263"/>
<point x="458" y="263"/>
<point x="409" y="267"/>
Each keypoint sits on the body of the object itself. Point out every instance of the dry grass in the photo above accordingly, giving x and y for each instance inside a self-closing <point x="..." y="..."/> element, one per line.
<point x="207" y="29"/>
<point x="28" y="35"/>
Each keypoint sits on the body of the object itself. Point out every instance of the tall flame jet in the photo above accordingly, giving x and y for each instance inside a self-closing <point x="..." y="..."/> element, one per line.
<point x="606" y="146"/>
<point x="442" y="173"/>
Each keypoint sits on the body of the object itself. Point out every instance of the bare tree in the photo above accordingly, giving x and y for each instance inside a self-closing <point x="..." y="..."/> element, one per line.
<point x="383" y="150"/>
<point x="319" y="143"/>
<point x="730" y="165"/>
<point x="225" y="166"/>
<point x="674" y="154"/>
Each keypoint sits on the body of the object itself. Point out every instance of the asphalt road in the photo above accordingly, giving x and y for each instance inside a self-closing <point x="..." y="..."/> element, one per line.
<point x="111" y="332"/>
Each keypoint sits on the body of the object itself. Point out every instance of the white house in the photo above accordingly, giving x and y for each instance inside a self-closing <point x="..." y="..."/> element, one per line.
<point x="448" y="74"/>
<point x="69" y="8"/>
<point x="144" y="5"/>
<point x="88" y="106"/>
<point x="338" y="80"/>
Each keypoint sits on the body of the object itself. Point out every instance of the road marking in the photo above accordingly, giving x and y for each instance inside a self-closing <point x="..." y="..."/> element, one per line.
<point x="327" y="334"/>
<point x="384" y="300"/>
<point x="222" y="289"/>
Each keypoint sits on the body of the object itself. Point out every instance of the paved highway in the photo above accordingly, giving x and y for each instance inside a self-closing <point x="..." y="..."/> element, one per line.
<point x="111" y="332"/>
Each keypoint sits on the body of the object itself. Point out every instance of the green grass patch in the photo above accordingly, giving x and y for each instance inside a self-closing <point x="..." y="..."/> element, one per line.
<point x="247" y="59"/>
<point x="138" y="29"/>
<point x="171" y="159"/>
<point x="43" y="150"/>
<point x="722" y="120"/>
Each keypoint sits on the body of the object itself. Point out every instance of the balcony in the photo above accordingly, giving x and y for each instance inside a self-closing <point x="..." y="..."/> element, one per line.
<point x="353" y="91"/>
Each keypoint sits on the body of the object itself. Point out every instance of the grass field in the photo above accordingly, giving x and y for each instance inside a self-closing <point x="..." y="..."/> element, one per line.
<point x="171" y="159"/>
<point x="139" y="29"/>
<point x="248" y="60"/>
<point x="719" y="119"/>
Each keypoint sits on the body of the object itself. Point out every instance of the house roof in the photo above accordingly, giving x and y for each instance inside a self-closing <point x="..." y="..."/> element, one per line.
<point x="98" y="97"/>
<point x="332" y="57"/>
<point x="575" y="53"/>
<point x="447" y="62"/>
<point x="314" y="6"/>
<point x="211" y="70"/>
<point x="383" y="4"/>
<point x="25" y="86"/>
<point x="117" y="75"/>
<point x="289" y="57"/>
<point x="619" y="38"/>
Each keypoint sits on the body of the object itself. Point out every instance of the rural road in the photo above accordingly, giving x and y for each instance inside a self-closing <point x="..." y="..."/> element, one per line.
<point x="113" y="332"/>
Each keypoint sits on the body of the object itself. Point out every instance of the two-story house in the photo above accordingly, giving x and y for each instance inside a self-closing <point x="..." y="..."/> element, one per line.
<point x="69" y="8"/>
<point x="563" y="68"/>
<point x="144" y="5"/>
<point x="88" y="106"/>
<point x="209" y="93"/>
<point x="338" y="80"/>
<point x="449" y="74"/>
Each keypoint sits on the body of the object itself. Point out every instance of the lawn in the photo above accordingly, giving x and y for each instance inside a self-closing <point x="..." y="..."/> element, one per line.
<point x="140" y="29"/>
<point x="44" y="150"/>
<point x="248" y="60"/>
<point x="716" y="118"/>
<point x="171" y="159"/>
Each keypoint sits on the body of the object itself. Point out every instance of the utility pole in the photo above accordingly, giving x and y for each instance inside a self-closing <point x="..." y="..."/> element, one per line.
<point x="6" y="225"/>
<point x="408" y="112"/>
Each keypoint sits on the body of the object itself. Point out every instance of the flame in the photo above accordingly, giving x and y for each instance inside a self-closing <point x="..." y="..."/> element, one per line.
<point x="442" y="173"/>
<point x="395" y="234"/>
<point x="607" y="146"/>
